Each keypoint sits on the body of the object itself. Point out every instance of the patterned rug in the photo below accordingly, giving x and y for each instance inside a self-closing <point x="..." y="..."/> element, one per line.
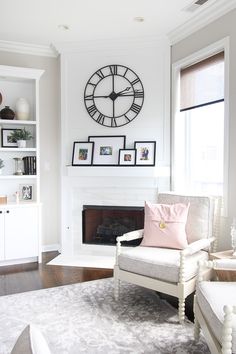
<point x="84" y="318"/>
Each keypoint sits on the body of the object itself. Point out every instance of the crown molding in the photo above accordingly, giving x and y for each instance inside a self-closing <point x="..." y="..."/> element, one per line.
<point x="27" y="48"/>
<point x="208" y="15"/>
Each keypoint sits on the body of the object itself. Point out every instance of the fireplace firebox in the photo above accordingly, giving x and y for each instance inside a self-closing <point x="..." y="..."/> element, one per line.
<point x="102" y="224"/>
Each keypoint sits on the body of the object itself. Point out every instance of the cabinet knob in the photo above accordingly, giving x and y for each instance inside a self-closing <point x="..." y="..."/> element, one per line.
<point x="0" y="211"/>
<point x="8" y="211"/>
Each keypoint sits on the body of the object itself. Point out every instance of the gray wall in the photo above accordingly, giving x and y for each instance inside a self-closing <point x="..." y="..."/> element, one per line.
<point x="49" y="137"/>
<point x="223" y="27"/>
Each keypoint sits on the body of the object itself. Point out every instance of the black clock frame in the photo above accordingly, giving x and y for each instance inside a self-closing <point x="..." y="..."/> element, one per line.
<point x="135" y="107"/>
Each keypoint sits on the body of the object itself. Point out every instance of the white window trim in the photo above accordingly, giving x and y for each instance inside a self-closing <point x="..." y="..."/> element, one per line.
<point x="222" y="45"/>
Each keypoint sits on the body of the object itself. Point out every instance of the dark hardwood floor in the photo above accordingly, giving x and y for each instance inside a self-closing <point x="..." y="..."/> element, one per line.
<point x="33" y="276"/>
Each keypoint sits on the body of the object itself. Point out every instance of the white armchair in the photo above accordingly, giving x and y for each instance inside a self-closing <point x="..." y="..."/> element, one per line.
<point x="215" y="309"/>
<point x="170" y="271"/>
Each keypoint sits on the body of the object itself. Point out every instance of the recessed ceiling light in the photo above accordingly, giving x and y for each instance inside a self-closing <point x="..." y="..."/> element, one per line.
<point x="139" y="19"/>
<point x="63" y="27"/>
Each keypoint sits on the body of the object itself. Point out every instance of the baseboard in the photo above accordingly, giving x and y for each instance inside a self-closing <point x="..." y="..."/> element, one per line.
<point x="53" y="247"/>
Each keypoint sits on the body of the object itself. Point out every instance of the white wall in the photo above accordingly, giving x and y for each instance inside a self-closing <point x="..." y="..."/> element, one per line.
<point x="150" y="60"/>
<point x="49" y="137"/>
<point x="217" y="30"/>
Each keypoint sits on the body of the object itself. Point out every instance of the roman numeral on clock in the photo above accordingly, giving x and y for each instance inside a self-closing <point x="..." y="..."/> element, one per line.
<point x="138" y="94"/>
<point x="128" y="120"/>
<point x="92" y="110"/>
<point x="100" y="118"/>
<point x="113" y="122"/>
<point x="135" y="81"/>
<point x="135" y="108"/>
<point x="113" y="69"/>
<point x="100" y="74"/>
<point x="88" y="98"/>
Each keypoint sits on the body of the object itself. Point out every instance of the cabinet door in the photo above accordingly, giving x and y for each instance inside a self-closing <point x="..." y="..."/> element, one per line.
<point x="2" y="247"/>
<point x="21" y="232"/>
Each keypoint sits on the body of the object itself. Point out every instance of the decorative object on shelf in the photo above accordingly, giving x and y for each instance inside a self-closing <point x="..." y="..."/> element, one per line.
<point x="114" y="96"/>
<point x="0" y="98"/>
<point x="22" y="109"/>
<point x="3" y="199"/>
<point x="106" y="149"/>
<point x="6" y="139"/>
<point x="146" y="153"/>
<point x="82" y="153"/>
<point x="127" y="157"/>
<point x="1" y="166"/>
<point x="7" y="113"/>
<point x="26" y="192"/>
<point x="30" y="167"/>
<point x="233" y="236"/>
<point x="21" y="136"/>
<point x="18" y="166"/>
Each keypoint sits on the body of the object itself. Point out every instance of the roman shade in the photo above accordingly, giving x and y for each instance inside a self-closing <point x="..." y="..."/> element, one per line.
<point x="202" y="83"/>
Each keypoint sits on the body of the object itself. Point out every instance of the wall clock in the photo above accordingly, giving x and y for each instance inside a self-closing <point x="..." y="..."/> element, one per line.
<point x="114" y="96"/>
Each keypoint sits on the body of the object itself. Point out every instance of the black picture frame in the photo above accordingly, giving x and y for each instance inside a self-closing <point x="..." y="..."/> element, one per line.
<point x="82" y="153"/>
<point x="106" y="149"/>
<point x="127" y="157"/>
<point x="5" y="133"/>
<point x="145" y="153"/>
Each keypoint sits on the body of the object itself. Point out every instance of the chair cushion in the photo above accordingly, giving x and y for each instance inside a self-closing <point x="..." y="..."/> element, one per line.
<point x="159" y="263"/>
<point x="164" y="225"/>
<point x="212" y="297"/>
<point x="200" y="215"/>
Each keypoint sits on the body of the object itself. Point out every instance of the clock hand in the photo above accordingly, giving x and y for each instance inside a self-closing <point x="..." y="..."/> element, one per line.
<point x="101" y="96"/>
<point x="120" y="92"/>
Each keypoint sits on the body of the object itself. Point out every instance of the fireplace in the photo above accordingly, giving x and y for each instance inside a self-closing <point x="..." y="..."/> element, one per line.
<point x="102" y="224"/>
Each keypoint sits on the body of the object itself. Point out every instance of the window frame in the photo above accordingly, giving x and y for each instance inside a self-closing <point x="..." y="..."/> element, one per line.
<point x="222" y="45"/>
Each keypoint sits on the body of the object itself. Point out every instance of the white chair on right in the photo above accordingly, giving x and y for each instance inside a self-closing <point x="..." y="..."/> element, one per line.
<point x="215" y="309"/>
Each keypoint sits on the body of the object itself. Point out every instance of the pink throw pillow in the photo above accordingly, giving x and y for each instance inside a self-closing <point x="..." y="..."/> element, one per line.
<point x="164" y="225"/>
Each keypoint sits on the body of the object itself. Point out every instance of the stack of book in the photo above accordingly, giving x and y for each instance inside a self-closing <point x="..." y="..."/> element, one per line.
<point x="29" y="165"/>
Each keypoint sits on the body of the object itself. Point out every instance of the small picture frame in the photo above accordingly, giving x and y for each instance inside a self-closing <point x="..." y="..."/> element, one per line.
<point x="127" y="157"/>
<point x="26" y="192"/>
<point x="106" y="149"/>
<point x="145" y="153"/>
<point x="6" y="138"/>
<point x="82" y="153"/>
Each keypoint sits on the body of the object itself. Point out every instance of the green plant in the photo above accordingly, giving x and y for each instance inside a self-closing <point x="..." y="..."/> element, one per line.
<point x="1" y="163"/>
<point x="20" y="134"/>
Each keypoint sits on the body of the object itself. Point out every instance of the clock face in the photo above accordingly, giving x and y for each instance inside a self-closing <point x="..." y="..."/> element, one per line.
<point x="114" y="96"/>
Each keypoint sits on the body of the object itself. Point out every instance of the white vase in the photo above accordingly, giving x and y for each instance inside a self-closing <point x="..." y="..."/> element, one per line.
<point x="21" y="143"/>
<point x="22" y="109"/>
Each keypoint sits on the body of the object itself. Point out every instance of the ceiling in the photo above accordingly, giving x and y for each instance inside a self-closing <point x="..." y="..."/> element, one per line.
<point x="36" y="21"/>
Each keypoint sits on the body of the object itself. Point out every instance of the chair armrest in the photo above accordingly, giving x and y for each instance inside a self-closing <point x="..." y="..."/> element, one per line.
<point x="197" y="246"/>
<point x="224" y="264"/>
<point x="129" y="236"/>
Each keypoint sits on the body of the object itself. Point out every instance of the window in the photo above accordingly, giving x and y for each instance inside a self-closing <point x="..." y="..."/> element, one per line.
<point x="198" y="139"/>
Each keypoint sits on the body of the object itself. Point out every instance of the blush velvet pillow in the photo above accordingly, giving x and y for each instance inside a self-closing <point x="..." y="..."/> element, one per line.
<point x="164" y="225"/>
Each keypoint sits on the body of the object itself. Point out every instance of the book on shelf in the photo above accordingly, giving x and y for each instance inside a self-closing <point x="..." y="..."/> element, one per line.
<point x="30" y="167"/>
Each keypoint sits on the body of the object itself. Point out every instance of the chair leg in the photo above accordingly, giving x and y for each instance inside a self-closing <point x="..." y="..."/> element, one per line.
<point x="116" y="288"/>
<point x="196" y="329"/>
<point x="181" y="310"/>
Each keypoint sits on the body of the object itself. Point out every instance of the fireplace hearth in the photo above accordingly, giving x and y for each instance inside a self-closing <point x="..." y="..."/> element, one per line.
<point x="102" y="224"/>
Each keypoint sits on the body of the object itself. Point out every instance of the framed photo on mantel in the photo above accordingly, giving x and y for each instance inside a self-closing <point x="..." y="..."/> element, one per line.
<point x="82" y="153"/>
<point x="106" y="149"/>
<point x="145" y="153"/>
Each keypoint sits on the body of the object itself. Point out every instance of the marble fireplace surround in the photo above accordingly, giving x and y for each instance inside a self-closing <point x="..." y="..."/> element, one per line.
<point x="111" y="186"/>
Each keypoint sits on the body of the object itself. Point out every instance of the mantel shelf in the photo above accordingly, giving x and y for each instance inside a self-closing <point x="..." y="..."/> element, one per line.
<point x="118" y="171"/>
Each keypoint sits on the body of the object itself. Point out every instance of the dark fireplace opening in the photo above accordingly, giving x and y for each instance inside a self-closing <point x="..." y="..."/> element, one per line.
<point x="102" y="224"/>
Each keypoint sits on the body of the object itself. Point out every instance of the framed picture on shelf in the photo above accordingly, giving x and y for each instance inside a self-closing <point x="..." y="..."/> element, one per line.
<point x="6" y="140"/>
<point x="145" y="153"/>
<point x="127" y="157"/>
<point x="82" y="153"/>
<point x="106" y="149"/>
<point x="26" y="192"/>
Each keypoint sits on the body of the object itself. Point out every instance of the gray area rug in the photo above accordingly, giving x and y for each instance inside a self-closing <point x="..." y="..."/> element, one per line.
<point x="84" y="318"/>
